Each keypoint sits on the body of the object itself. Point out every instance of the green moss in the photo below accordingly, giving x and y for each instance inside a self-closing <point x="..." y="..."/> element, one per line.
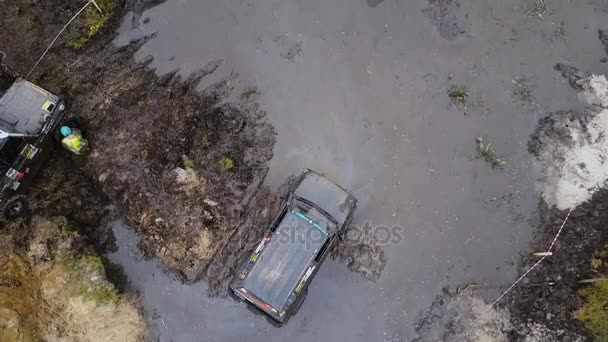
<point x="93" y="23"/>
<point x="227" y="163"/>
<point x="92" y="261"/>
<point x="86" y="263"/>
<point x="103" y="294"/>
<point x="85" y="273"/>
<point x="78" y="43"/>
<point x="593" y="314"/>
<point x="188" y="163"/>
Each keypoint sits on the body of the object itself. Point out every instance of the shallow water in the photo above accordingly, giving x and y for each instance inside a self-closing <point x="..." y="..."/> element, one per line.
<point x="359" y="93"/>
<point x="179" y="312"/>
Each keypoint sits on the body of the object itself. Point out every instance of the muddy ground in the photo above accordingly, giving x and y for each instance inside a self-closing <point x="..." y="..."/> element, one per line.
<point x="184" y="168"/>
<point x="187" y="169"/>
<point x="569" y="146"/>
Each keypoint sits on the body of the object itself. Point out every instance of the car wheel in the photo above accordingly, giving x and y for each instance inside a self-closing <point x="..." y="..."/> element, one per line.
<point x="15" y="207"/>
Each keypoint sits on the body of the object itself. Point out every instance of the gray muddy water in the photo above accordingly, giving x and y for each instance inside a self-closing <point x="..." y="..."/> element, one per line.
<point x="179" y="312"/>
<point x="358" y="90"/>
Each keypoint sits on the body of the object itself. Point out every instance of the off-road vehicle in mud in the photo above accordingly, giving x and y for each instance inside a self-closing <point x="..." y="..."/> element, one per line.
<point x="28" y="118"/>
<point x="274" y="279"/>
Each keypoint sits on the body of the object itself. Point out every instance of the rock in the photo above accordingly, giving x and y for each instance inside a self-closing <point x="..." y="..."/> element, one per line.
<point x="103" y="177"/>
<point x="9" y="320"/>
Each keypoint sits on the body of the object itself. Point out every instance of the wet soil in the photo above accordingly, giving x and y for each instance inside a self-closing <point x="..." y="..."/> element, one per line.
<point x="157" y="145"/>
<point x="184" y="168"/>
<point x="603" y="36"/>
<point x="157" y="148"/>
<point x="550" y="295"/>
<point x="449" y="16"/>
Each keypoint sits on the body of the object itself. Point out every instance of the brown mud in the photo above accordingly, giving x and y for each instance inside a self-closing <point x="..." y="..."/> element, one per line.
<point x="185" y="169"/>
<point x="449" y="16"/>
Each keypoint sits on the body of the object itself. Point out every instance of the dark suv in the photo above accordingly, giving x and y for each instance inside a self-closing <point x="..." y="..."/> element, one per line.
<point x="28" y="118"/>
<point x="274" y="279"/>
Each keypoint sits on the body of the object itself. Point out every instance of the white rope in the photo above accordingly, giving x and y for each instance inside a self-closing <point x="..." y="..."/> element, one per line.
<point x="57" y="36"/>
<point x="545" y="255"/>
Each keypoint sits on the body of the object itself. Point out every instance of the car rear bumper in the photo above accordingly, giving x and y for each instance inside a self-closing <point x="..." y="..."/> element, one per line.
<point x="274" y="319"/>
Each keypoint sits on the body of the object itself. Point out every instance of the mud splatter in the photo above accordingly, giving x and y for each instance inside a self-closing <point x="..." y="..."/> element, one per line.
<point x="360" y="251"/>
<point x="290" y="49"/>
<point x="603" y="36"/>
<point x="448" y="16"/>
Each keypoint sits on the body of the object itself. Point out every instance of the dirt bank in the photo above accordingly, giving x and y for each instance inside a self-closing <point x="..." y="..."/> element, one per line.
<point x="571" y="149"/>
<point x="53" y="287"/>
<point x="184" y="168"/>
<point x="181" y="166"/>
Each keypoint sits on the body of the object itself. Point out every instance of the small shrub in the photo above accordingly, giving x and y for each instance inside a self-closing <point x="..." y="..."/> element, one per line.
<point x="537" y="8"/>
<point x="83" y="270"/>
<point x="522" y="92"/>
<point x="227" y="163"/>
<point x="594" y="314"/>
<point x="103" y="294"/>
<point x="248" y="93"/>
<point x="84" y="263"/>
<point x="458" y="95"/>
<point x="188" y="163"/>
<point x="487" y="153"/>
<point x="93" y="23"/>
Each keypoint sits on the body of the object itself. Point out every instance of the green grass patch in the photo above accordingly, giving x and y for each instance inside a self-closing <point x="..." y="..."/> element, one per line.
<point x="86" y="263"/>
<point x="85" y="273"/>
<point x="58" y="229"/>
<point x="92" y="23"/>
<point x="103" y="294"/>
<point x="226" y="163"/>
<point x="594" y="314"/>
<point x="488" y="154"/>
<point x="522" y="92"/>
<point x="458" y="95"/>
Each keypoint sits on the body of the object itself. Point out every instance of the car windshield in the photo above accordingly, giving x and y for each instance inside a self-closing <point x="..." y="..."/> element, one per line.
<point x="307" y="211"/>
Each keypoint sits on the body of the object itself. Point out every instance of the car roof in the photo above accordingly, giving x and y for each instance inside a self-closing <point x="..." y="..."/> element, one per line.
<point x="23" y="107"/>
<point x="285" y="259"/>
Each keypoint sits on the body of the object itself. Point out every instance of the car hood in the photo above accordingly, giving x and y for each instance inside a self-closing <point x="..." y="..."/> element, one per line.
<point x="326" y="195"/>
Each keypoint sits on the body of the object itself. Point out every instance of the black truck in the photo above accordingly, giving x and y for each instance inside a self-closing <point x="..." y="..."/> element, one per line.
<point x="29" y="116"/>
<point x="274" y="279"/>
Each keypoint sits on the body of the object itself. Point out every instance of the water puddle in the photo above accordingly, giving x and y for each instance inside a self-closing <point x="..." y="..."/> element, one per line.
<point x="179" y="312"/>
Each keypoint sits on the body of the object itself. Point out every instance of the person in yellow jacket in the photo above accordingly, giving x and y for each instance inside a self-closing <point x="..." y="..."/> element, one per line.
<point x="73" y="140"/>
